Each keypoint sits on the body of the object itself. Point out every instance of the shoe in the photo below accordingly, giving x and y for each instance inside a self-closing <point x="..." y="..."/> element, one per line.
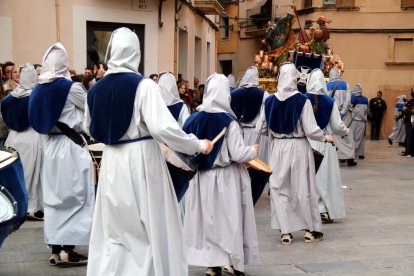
<point x="54" y="259"/>
<point x="286" y="239"/>
<point x="71" y="258"/>
<point x="38" y="216"/>
<point x="342" y="161"/>
<point x="403" y="153"/>
<point x="313" y="236"/>
<point x="325" y="218"/>
<point x="351" y="163"/>
<point x="213" y="271"/>
<point x="229" y="270"/>
<point x="361" y="157"/>
<point x="389" y="141"/>
<point x="408" y="155"/>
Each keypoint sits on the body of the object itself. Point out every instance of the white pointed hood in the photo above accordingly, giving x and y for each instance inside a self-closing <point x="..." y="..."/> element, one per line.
<point x="232" y="80"/>
<point x="28" y="80"/>
<point x="123" y="54"/>
<point x="55" y="64"/>
<point x="287" y="85"/>
<point x="216" y="97"/>
<point x="357" y="90"/>
<point x="334" y="74"/>
<point x="401" y="98"/>
<point x="316" y="83"/>
<point x="250" y="78"/>
<point x="169" y="89"/>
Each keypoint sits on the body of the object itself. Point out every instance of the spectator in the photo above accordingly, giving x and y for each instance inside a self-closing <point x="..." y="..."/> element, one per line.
<point x="13" y="80"/>
<point x="408" y="111"/>
<point x="377" y="106"/>
<point x="89" y="71"/>
<point x="7" y="71"/>
<point x="154" y="77"/>
<point x="185" y="94"/>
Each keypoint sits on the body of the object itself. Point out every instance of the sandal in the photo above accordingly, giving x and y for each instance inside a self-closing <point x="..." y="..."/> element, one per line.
<point x="313" y="236"/>
<point x="54" y="259"/>
<point x="71" y="258"/>
<point x="325" y="218"/>
<point x="229" y="270"/>
<point x="286" y="238"/>
<point x="213" y="271"/>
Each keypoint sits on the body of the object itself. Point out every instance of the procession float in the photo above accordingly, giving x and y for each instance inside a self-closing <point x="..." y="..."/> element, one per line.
<point x="308" y="49"/>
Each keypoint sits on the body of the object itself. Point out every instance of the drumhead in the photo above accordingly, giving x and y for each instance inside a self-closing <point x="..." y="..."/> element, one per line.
<point x="258" y="164"/>
<point x="7" y="206"/>
<point x="7" y="156"/>
<point x="99" y="147"/>
<point x="172" y="158"/>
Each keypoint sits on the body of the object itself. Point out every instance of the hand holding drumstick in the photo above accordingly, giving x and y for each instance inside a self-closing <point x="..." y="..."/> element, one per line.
<point x="256" y="147"/>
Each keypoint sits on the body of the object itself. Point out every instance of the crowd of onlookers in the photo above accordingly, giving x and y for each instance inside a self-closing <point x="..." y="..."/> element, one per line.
<point x="9" y="75"/>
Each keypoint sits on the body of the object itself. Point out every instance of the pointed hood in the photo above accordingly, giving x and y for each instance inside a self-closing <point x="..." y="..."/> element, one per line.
<point x="123" y="53"/>
<point x="55" y="64"/>
<point x="169" y="89"/>
<point x="287" y="85"/>
<point x="216" y="97"/>
<point x="316" y="83"/>
<point x="357" y="90"/>
<point x="250" y="78"/>
<point x="28" y="80"/>
<point x="232" y="80"/>
<point x="334" y="74"/>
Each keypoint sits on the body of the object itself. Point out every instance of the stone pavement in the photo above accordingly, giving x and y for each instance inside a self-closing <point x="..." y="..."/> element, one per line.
<point x="376" y="237"/>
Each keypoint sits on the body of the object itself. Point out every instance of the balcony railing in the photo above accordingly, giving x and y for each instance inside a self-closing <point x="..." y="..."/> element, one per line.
<point x="255" y="23"/>
<point x="345" y="3"/>
<point x="407" y="4"/>
<point x="208" y="6"/>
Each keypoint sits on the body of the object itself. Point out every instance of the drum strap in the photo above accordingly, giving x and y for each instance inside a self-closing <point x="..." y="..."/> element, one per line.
<point x="133" y="140"/>
<point x="72" y="134"/>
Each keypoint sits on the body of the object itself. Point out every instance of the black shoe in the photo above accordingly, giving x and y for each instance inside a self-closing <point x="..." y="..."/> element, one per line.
<point x="389" y="141"/>
<point x="351" y="163"/>
<point x="361" y="157"/>
<point x="342" y="161"/>
<point x="38" y="216"/>
<point x="71" y="258"/>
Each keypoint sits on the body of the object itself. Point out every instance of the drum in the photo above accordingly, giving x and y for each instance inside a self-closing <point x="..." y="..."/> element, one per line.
<point x="96" y="151"/>
<point x="182" y="169"/>
<point x="259" y="174"/>
<point x="318" y="157"/>
<point x="13" y="203"/>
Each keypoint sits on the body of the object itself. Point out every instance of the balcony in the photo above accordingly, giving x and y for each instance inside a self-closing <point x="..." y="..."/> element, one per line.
<point x="209" y="6"/>
<point x="255" y="23"/>
<point x="407" y="4"/>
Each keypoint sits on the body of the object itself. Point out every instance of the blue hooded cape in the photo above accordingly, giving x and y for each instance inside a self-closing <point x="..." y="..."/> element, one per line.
<point x="246" y="103"/>
<point x="111" y="104"/>
<point x="325" y="105"/>
<point x="15" y="112"/>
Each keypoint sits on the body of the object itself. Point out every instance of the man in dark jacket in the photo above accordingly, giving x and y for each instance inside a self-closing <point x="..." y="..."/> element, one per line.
<point x="377" y="107"/>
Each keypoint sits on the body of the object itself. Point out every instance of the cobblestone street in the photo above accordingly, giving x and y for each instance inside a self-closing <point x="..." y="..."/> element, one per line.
<point x="376" y="237"/>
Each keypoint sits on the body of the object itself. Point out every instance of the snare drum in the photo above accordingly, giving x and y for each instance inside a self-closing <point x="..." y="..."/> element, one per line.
<point x="96" y="151"/>
<point x="182" y="169"/>
<point x="13" y="206"/>
<point x="259" y="174"/>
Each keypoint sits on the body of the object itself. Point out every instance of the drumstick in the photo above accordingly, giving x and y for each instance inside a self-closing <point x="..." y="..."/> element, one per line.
<point x="221" y="134"/>
<point x="260" y="133"/>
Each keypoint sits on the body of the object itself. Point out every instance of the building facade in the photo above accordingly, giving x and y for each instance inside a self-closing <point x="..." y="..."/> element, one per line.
<point x="174" y="35"/>
<point x="375" y="40"/>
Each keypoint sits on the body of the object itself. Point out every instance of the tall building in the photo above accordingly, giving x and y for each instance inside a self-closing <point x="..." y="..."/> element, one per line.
<point x="176" y="36"/>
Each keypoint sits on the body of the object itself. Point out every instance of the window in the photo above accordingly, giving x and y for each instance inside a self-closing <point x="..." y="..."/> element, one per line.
<point x="400" y="50"/>
<point x="345" y="3"/>
<point x="225" y="27"/>
<point x="329" y="3"/>
<point x="307" y="4"/>
<point x="405" y="4"/>
<point x="99" y="33"/>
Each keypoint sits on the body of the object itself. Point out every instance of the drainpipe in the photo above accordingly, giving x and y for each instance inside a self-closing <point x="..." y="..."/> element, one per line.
<point x="57" y="4"/>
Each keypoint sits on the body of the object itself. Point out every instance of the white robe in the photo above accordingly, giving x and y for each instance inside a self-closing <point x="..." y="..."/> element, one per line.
<point x="29" y="144"/>
<point x="67" y="179"/>
<point x="219" y="222"/>
<point x="398" y="129"/>
<point x="328" y="178"/>
<point x="345" y="144"/>
<point x="293" y="194"/>
<point x="137" y="225"/>
<point x="358" y="125"/>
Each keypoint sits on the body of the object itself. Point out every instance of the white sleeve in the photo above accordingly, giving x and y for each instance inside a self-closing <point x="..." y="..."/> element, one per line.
<point x="336" y="123"/>
<point x="159" y="121"/>
<point x="77" y="95"/>
<point x="238" y="151"/>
